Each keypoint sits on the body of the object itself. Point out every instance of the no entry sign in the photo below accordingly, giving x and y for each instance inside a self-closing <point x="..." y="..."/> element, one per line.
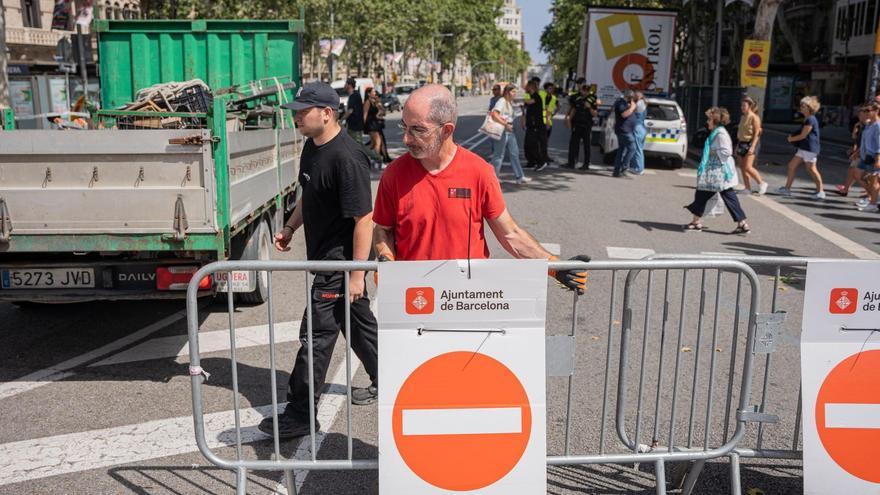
<point x="462" y="400"/>
<point x="840" y="362"/>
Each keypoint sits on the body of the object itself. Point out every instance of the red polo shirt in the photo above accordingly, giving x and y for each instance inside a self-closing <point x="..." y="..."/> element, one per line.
<point x="434" y="214"/>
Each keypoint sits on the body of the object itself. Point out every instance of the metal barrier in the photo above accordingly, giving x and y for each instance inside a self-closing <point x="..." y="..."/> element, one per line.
<point x="618" y="390"/>
<point x="771" y="334"/>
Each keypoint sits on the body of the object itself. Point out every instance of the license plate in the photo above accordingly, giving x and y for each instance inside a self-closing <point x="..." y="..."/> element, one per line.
<point x="242" y="281"/>
<point x="47" y="278"/>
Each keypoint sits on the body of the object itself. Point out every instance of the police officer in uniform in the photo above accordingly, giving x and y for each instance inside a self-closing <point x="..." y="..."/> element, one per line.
<point x="582" y="110"/>
<point x="534" y="122"/>
<point x="335" y="210"/>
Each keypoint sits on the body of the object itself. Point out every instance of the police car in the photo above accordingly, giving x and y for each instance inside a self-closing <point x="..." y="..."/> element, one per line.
<point x="667" y="133"/>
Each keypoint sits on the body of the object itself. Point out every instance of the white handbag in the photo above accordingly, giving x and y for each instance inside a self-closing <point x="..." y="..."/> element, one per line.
<point x="492" y="128"/>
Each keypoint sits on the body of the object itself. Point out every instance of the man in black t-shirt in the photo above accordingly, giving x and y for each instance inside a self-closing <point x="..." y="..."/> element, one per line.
<point x="580" y="120"/>
<point x="335" y="209"/>
<point x="536" y="129"/>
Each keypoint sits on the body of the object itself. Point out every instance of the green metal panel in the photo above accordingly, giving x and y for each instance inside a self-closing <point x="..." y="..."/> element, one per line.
<point x="65" y="243"/>
<point x="217" y="124"/>
<point x="8" y="119"/>
<point x="137" y="54"/>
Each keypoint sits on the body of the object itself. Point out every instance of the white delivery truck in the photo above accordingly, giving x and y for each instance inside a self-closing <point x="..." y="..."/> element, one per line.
<point x="627" y="49"/>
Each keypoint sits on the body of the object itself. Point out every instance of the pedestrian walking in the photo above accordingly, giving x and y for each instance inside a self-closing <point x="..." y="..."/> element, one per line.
<point x="717" y="174"/>
<point x="624" y="127"/>
<point x="355" y="117"/>
<point x="582" y="109"/>
<point x="640" y="133"/>
<point x="503" y="114"/>
<point x="496" y="95"/>
<point x="869" y="156"/>
<point x="433" y="201"/>
<point x="808" y="145"/>
<point x="335" y="211"/>
<point x="748" y="138"/>
<point x="535" y="127"/>
<point x="374" y="119"/>
<point x="852" y="173"/>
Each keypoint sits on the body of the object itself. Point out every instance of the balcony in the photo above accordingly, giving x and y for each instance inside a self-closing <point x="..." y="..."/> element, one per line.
<point x="34" y="36"/>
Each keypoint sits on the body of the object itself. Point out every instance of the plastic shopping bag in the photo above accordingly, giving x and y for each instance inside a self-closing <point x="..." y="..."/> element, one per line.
<point x="714" y="207"/>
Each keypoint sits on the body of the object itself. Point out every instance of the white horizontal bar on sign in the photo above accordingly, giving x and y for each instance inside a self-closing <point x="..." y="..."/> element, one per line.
<point x="469" y="421"/>
<point x="854" y="416"/>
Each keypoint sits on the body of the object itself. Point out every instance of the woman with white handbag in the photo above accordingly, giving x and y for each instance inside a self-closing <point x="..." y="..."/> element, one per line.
<point x="716" y="174"/>
<point x="502" y="115"/>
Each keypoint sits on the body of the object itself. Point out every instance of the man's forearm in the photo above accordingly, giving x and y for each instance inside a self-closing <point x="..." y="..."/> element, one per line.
<point x="363" y="234"/>
<point x="384" y="242"/>
<point x="296" y="218"/>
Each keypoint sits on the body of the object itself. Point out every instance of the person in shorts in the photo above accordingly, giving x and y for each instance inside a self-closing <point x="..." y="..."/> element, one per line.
<point x="807" y="143"/>
<point x="869" y="156"/>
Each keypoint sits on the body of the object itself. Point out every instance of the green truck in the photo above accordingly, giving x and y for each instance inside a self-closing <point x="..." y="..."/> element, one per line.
<point x="131" y="212"/>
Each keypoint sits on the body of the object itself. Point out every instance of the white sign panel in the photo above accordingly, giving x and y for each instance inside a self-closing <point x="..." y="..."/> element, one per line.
<point x="840" y="369"/>
<point x="628" y="49"/>
<point x="462" y="400"/>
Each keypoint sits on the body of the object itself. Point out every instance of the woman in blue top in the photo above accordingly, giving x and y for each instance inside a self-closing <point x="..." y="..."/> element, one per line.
<point x="807" y="142"/>
<point x="640" y="133"/>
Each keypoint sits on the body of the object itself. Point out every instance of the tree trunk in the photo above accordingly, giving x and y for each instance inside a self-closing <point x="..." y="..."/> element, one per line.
<point x="764" y="20"/>
<point x="4" y="78"/>
<point x="797" y="54"/>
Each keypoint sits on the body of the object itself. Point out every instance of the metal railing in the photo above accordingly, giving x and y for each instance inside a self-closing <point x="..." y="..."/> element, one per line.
<point x="637" y="369"/>
<point x="772" y="334"/>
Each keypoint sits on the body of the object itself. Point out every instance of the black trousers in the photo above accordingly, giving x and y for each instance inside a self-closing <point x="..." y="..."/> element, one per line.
<point x="731" y="201"/>
<point x="328" y="319"/>
<point x="536" y="144"/>
<point x="579" y="133"/>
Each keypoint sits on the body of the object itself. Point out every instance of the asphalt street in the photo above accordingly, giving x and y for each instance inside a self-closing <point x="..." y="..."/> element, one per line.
<point x="96" y="397"/>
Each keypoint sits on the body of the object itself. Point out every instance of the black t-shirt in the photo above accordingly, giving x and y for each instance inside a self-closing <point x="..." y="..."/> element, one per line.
<point x="582" y="106"/>
<point x="355" y="121"/>
<point x="535" y="111"/>
<point x="335" y="181"/>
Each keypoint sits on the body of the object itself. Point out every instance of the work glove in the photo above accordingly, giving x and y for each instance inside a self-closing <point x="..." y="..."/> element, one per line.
<point x="573" y="279"/>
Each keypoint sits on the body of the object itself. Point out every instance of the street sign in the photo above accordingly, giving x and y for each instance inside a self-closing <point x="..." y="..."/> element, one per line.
<point x="461" y="355"/>
<point x="755" y="61"/>
<point x="840" y="366"/>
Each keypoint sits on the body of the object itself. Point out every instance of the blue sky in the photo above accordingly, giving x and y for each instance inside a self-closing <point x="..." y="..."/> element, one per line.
<point x="536" y="15"/>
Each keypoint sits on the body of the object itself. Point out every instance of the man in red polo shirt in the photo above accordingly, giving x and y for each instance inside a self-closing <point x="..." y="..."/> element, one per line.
<point x="432" y="201"/>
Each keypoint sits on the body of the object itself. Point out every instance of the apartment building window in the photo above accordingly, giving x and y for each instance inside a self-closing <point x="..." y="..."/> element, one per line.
<point x="30" y="13"/>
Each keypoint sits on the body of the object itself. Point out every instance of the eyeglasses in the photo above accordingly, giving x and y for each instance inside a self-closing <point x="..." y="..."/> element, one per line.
<point x="417" y="132"/>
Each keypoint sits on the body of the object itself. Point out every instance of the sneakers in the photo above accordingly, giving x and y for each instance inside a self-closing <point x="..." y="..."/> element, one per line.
<point x="762" y="189"/>
<point x="288" y="426"/>
<point x="865" y="204"/>
<point x="364" y="396"/>
<point x="862" y="203"/>
<point x="818" y="195"/>
<point x="542" y="166"/>
<point x="637" y="172"/>
<point x="523" y="180"/>
<point x="783" y="191"/>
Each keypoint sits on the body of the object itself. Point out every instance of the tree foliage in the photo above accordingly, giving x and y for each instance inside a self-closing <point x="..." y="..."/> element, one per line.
<point x="374" y="28"/>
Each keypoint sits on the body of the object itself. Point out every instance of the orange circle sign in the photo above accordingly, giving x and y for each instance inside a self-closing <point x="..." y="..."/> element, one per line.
<point x="846" y="414"/>
<point x="461" y="421"/>
<point x="639" y="60"/>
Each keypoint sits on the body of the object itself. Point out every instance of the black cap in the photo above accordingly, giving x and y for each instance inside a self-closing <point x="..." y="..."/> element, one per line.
<point x="351" y="82"/>
<point x="314" y="94"/>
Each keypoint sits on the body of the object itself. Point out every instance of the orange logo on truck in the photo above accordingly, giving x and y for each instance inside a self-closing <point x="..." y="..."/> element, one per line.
<point x="419" y="300"/>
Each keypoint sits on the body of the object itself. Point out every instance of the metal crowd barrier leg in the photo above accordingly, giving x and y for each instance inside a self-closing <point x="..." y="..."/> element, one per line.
<point x="693" y="474"/>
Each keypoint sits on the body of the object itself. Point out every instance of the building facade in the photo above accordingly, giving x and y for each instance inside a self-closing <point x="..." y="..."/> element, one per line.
<point x="511" y="21"/>
<point x="856" y="24"/>
<point x="43" y="55"/>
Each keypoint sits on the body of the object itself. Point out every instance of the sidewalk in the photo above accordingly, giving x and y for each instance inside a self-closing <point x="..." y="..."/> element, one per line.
<point x="832" y="134"/>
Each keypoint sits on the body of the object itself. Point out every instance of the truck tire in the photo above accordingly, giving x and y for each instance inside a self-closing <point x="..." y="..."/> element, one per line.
<point x="257" y="246"/>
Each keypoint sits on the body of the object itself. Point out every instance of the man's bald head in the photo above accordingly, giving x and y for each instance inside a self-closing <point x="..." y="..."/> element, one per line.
<point x="434" y="103"/>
